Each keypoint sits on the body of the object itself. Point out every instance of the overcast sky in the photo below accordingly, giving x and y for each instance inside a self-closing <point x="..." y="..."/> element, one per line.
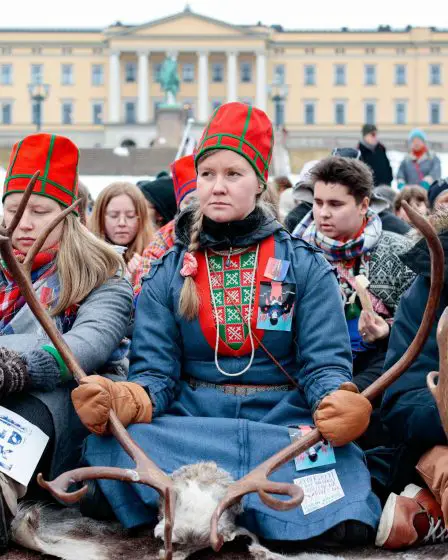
<point x="292" y="14"/>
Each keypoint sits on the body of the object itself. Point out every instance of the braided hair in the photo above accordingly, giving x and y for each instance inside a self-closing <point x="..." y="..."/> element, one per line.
<point x="189" y="297"/>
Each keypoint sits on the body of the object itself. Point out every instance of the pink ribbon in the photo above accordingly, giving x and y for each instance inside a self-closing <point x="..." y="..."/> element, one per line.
<point x="190" y="267"/>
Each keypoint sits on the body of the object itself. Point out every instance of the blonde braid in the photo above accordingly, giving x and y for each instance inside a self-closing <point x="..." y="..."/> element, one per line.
<point x="189" y="297"/>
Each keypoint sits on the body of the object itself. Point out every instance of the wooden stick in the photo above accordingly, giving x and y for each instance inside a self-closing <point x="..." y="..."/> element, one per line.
<point x="361" y="285"/>
<point x="146" y="471"/>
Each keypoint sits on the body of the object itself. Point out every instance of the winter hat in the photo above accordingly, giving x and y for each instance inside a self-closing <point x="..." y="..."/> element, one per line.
<point x="436" y="189"/>
<point x="303" y="190"/>
<point x="378" y="202"/>
<point x="368" y="129"/>
<point x="386" y="193"/>
<point x="56" y="157"/>
<point x="243" y="129"/>
<point x="160" y="192"/>
<point x="417" y="133"/>
<point x="184" y="177"/>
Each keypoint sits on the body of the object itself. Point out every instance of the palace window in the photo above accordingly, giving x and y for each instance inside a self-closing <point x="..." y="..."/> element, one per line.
<point x="370" y="112"/>
<point x="401" y="112"/>
<point x="339" y="112"/>
<point x="67" y="74"/>
<point x="370" y="75"/>
<point x="67" y="112"/>
<point x="188" y="72"/>
<point x="97" y="74"/>
<point x="6" y="113"/>
<point x="310" y="74"/>
<point x="130" y="72"/>
<point x="279" y="74"/>
<point x="129" y="112"/>
<point x="156" y="69"/>
<point x="310" y="112"/>
<point x="6" y="74"/>
<point x="435" y="75"/>
<point x="217" y="72"/>
<point x="97" y="112"/>
<point x="37" y="73"/>
<point x="400" y="74"/>
<point x="245" y="72"/>
<point x="340" y="78"/>
<point x="435" y="112"/>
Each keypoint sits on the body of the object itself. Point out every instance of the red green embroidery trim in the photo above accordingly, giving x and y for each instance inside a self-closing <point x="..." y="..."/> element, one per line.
<point x="229" y="344"/>
<point x="231" y="281"/>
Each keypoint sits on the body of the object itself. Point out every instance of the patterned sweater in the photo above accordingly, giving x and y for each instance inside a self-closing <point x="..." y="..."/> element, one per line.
<point x="162" y="241"/>
<point x="389" y="277"/>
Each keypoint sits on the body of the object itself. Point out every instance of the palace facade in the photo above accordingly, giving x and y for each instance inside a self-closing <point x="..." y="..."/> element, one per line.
<point x="101" y="85"/>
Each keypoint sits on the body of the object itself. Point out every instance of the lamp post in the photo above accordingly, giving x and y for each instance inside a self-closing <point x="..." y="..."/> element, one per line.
<point x="278" y="93"/>
<point x="38" y="94"/>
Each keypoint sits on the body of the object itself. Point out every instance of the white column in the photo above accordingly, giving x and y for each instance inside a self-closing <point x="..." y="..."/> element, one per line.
<point x="261" y="85"/>
<point x="143" y="88"/>
<point x="203" y="87"/>
<point x="114" y="87"/>
<point x="232" y="94"/>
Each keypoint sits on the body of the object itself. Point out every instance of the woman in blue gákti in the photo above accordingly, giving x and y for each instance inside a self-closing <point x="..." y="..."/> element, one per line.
<point x="236" y="283"/>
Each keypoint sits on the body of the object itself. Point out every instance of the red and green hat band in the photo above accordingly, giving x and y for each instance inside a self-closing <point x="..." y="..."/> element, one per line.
<point x="243" y="129"/>
<point x="56" y="157"/>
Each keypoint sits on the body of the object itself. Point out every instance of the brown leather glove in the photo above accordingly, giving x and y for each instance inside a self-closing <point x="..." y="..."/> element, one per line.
<point x="433" y="468"/>
<point x="343" y="416"/>
<point x="96" y="396"/>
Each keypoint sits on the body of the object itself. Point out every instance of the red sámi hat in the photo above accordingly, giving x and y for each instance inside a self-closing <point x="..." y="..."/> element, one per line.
<point x="184" y="177"/>
<point x="56" y="157"/>
<point x="243" y="129"/>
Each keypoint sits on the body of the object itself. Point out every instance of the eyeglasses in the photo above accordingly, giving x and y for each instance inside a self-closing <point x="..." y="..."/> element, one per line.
<point x="352" y="153"/>
<point x="116" y="217"/>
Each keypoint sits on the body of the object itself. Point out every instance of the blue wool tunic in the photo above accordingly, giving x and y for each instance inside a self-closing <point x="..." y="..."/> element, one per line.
<point x="239" y="432"/>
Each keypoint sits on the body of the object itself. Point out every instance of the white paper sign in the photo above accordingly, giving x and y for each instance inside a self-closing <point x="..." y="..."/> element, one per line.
<point x="21" y="446"/>
<point x="320" y="490"/>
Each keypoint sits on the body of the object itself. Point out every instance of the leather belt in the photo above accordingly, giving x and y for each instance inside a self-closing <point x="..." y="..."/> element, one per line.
<point x="237" y="390"/>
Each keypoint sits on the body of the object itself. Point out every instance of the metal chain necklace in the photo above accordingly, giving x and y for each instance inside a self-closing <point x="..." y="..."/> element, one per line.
<point x="249" y="322"/>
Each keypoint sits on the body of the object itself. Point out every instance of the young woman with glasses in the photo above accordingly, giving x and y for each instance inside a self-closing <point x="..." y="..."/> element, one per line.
<point x="120" y="216"/>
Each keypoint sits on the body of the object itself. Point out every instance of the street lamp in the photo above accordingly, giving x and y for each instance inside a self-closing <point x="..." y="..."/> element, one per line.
<point x="278" y="93"/>
<point x="38" y="94"/>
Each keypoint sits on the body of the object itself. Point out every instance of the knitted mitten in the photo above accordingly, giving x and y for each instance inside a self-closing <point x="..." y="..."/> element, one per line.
<point x="43" y="370"/>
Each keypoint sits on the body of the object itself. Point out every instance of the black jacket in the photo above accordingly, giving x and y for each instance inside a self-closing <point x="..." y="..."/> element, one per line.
<point x="393" y="223"/>
<point x="408" y="408"/>
<point x="379" y="163"/>
<point x="296" y="215"/>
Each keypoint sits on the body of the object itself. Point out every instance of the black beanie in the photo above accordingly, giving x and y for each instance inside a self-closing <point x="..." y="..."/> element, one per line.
<point x="161" y="193"/>
<point x="436" y="189"/>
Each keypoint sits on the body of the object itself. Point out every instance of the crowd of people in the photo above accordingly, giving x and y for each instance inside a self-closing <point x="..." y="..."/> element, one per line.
<point x="215" y="306"/>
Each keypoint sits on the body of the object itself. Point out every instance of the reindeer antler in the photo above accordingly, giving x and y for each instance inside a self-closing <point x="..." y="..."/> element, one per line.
<point x="257" y="481"/>
<point x="439" y="390"/>
<point x="146" y="471"/>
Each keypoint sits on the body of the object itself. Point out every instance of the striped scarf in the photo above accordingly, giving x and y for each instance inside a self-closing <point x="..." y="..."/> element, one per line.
<point x="341" y="250"/>
<point x="11" y="300"/>
<point x="162" y="241"/>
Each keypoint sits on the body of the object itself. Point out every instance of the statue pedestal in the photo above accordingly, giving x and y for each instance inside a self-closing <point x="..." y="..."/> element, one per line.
<point x="170" y="123"/>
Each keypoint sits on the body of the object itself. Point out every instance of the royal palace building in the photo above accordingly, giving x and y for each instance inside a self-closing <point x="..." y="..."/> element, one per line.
<point x="101" y="86"/>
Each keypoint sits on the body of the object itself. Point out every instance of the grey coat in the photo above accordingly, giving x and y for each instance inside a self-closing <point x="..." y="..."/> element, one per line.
<point x="100" y="325"/>
<point x="430" y="170"/>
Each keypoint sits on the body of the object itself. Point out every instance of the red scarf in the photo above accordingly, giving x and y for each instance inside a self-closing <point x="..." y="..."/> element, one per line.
<point x="419" y="153"/>
<point x="11" y="301"/>
<point x="351" y="263"/>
